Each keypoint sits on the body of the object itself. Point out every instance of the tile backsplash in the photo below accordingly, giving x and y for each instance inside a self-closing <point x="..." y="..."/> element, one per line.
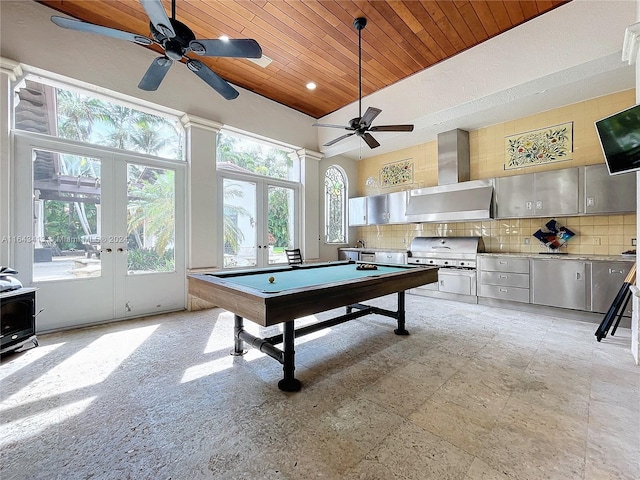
<point x="595" y="235"/>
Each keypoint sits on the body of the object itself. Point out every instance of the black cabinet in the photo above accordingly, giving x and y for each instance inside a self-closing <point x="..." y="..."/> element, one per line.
<point x="17" y="319"/>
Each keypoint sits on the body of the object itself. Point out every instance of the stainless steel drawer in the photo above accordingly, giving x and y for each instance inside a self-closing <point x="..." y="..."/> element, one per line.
<point x="513" y="294"/>
<point x="391" y="257"/>
<point x="367" y="257"/>
<point x="506" y="279"/>
<point x="504" y="264"/>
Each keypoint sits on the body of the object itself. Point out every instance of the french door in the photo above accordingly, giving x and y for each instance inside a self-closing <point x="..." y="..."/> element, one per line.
<point x="100" y="233"/>
<point x="258" y="220"/>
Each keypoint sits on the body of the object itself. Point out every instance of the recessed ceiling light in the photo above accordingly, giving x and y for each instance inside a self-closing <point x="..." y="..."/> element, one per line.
<point x="224" y="38"/>
<point x="263" y="61"/>
<point x="311" y="86"/>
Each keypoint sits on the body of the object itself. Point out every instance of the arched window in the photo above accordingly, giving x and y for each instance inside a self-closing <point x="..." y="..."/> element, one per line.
<point x="335" y="211"/>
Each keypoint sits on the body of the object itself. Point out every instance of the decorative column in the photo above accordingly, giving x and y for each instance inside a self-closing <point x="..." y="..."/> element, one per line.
<point x="630" y="53"/>
<point x="9" y="72"/>
<point x="310" y="218"/>
<point x="202" y="196"/>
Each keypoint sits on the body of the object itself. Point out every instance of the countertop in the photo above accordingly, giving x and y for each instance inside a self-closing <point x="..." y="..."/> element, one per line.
<point x="544" y="256"/>
<point x="372" y="250"/>
<point x="563" y="256"/>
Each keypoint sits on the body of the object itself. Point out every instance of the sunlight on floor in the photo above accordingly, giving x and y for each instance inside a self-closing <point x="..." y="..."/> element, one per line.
<point x="28" y="427"/>
<point x="89" y="366"/>
<point x="10" y="368"/>
<point x="205" y="369"/>
<point x="214" y="344"/>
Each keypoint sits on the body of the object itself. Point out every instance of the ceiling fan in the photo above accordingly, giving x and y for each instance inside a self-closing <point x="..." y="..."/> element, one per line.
<point x="361" y="125"/>
<point x="176" y="39"/>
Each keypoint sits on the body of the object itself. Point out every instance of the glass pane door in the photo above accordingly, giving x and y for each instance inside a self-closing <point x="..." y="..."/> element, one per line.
<point x="100" y="234"/>
<point x="239" y="223"/>
<point x="280" y="220"/>
<point x="66" y="216"/>
<point x="150" y="219"/>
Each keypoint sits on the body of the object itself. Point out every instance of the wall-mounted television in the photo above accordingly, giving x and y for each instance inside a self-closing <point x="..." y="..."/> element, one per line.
<point x="619" y="136"/>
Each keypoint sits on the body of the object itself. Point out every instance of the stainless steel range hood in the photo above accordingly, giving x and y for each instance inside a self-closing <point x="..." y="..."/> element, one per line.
<point x="455" y="198"/>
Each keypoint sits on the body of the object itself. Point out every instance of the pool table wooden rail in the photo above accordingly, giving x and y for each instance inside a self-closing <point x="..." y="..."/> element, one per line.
<point x="268" y="309"/>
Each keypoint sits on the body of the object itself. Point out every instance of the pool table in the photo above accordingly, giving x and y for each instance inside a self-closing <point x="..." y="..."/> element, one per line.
<point x="268" y="296"/>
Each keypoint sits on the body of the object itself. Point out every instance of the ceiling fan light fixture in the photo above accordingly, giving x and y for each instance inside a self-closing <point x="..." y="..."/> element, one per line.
<point x="140" y="40"/>
<point x="176" y="39"/>
<point x="224" y="38"/>
<point x="194" y="65"/>
<point x="361" y="125"/>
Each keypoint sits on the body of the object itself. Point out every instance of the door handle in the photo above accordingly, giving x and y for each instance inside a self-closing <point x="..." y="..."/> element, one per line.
<point x="108" y="250"/>
<point x="120" y="249"/>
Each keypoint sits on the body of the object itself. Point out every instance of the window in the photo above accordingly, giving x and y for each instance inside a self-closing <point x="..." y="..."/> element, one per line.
<point x="334" y="206"/>
<point x="82" y="116"/>
<point x="259" y="194"/>
<point x="243" y="154"/>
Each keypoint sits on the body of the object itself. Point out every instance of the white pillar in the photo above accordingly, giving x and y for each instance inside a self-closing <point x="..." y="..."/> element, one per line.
<point x="631" y="54"/>
<point x="202" y="211"/>
<point x="310" y="221"/>
<point x="9" y="72"/>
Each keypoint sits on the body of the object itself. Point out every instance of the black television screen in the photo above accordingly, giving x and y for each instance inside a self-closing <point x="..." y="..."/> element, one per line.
<point x="620" y="140"/>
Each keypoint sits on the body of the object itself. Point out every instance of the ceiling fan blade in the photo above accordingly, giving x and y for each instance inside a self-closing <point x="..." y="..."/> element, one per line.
<point x="236" y="48"/>
<point x="392" y="128"/>
<point x="372" y="142"/>
<point x="329" y="125"/>
<point x="155" y="74"/>
<point x="369" y="116"/>
<point x="158" y="17"/>
<point x="212" y="79"/>
<point x="336" y="140"/>
<point x="92" y="28"/>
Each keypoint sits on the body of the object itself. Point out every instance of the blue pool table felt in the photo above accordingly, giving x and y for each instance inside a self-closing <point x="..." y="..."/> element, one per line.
<point x="288" y="279"/>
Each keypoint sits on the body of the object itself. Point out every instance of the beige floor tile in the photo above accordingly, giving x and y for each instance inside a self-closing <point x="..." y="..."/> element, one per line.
<point x="473" y="393"/>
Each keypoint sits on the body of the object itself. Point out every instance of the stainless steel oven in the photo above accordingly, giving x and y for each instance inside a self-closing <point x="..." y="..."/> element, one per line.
<point x="457" y="259"/>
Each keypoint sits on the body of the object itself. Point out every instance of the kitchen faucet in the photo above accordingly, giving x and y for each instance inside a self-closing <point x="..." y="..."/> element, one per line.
<point x="361" y="242"/>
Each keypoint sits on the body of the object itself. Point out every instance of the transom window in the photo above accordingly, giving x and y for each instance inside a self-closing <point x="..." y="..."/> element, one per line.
<point x="335" y="202"/>
<point x="79" y="115"/>
<point x="240" y="153"/>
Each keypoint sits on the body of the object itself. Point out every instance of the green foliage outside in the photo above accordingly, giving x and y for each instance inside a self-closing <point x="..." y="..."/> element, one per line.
<point x="262" y="160"/>
<point x="148" y="259"/>
<point x="151" y="196"/>
<point x="279" y="217"/>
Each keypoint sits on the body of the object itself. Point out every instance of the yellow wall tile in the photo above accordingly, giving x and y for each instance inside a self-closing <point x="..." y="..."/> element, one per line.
<point x="487" y="160"/>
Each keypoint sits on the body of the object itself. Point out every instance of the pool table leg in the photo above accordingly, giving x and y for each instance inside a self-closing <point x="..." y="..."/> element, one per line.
<point x="289" y="383"/>
<point x="401" y="330"/>
<point x="238" y="344"/>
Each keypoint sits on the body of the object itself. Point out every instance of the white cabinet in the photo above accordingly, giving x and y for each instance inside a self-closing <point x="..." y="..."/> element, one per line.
<point x="541" y="194"/>
<point x="357" y="211"/>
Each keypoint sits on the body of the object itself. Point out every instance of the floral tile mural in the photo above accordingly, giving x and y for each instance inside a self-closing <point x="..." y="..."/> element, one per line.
<point x="546" y="145"/>
<point x="396" y="173"/>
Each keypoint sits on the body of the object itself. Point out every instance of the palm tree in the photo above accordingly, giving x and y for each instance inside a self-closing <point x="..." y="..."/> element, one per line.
<point x="151" y="209"/>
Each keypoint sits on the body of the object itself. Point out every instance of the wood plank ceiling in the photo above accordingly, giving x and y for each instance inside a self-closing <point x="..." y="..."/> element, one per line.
<point x="310" y="40"/>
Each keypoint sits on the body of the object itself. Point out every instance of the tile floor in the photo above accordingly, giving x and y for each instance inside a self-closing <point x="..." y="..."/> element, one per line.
<point x="474" y="392"/>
